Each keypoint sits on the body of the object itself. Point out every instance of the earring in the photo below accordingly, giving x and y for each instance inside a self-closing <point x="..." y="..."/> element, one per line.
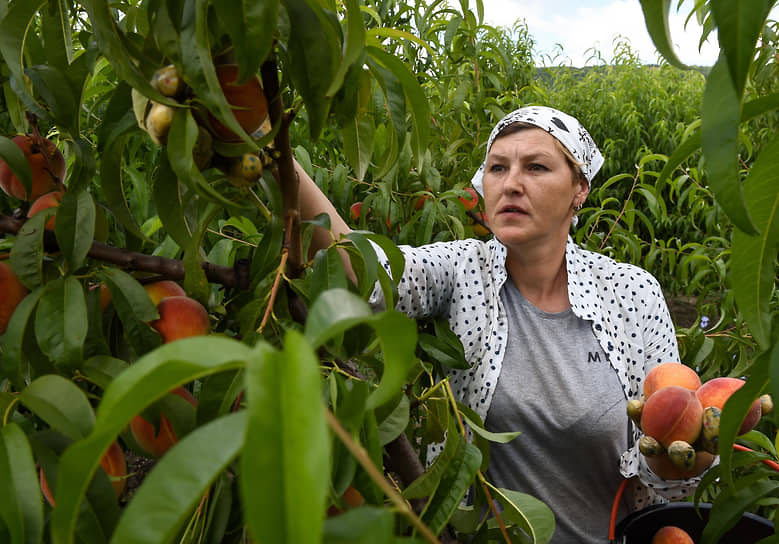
<point x="578" y="207"/>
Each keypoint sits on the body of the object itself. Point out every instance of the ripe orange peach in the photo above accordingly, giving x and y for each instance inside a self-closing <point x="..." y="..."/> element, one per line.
<point x="246" y="100"/>
<point x="670" y="374"/>
<point x="114" y="464"/>
<point x="672" y="535"/>
<point x="47" y="167"/>
<point x="49" y="200"/>
<point x="717" y="391"/>
<point x="672" y="413"/>
<point x="355" y="210"/>
<point x="351" y="497"/>
<point x="157" y="444"/>
<point x="11" y="294"/>
<point x="667" y="470"/>
<point x="163" y="288"/>
<point x="180" y="317"/>
<point x="480" y="229"/>
<point x="471" y="201"/>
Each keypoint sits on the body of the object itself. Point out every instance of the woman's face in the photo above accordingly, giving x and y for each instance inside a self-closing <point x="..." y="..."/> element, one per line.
<point x="530" y="189"/>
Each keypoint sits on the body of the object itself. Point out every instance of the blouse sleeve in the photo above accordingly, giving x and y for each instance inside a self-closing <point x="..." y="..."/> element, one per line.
<point x="428" y="281"/>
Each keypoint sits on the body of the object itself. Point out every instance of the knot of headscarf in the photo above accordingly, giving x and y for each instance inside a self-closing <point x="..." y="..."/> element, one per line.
<point x="568" y="130"/>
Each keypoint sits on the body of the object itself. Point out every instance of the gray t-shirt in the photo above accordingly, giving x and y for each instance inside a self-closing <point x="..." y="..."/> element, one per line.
<point x="558" y="388"/>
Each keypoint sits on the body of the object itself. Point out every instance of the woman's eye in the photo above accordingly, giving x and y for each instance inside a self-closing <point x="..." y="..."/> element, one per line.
<point x="536" y="166"/>
<point x="496" y="168"/>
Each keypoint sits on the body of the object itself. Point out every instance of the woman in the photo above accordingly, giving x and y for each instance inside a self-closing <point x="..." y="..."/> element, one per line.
<point x="558" y="337"/>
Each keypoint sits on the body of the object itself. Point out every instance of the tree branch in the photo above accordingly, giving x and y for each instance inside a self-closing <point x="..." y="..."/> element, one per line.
<point x="231" y="277"/>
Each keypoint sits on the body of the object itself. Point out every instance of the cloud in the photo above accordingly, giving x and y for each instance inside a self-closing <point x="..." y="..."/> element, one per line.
<point x="586" y="31"/>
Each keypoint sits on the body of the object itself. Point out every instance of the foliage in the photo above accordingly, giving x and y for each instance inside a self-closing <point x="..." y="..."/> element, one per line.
<point x="304" y="392"/>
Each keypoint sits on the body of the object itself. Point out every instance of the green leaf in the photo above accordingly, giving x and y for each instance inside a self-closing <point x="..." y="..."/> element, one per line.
<point x="285" y="467"/>
<point x="164" y="503"/>
<point x="111" y="41"/>
<point x="13" y="32"/>
<point x="102" y="369"/>
<point x="166" y="193"/>
<point x="753" y="257"/>
<point x="61" y="321"/>
<point x="27" y="251"/>
<point x="739" y="24"/>
<point x="501" y="438"/>
<point x="56" y="92"/>
<point x="12" y="343"/>
<point x="181" y="141"/>
<point x="368" y="524"/>
<point x="737" y="406"/>
<point x="14" y="157"/>
<point x="134" y="308"/>
<point x="728" y="509"/>
<point x="334" y="312"/>
<point x="719" y="137"/>
<point x="393" y="425"/>
<point x="456" y="480"/>
<point x="252" y="27"/>
<point x="530" y="514"/>
<point x="198" y="67"/>
<point x="354" y="44"/>
<point x="312" y="69"/>
<point x="327" y="272"/>
<point x="61" y="404"/>
<point x="420" y="108"/>
<point x="21" y="508"/>
<point x="75" y="227"/>
<point x="148" y="379"/>
<point x="112" y="185"/>
<point x="337" y="310"/>
<point x="426" y="484"/>
<point x="656" y="18"/>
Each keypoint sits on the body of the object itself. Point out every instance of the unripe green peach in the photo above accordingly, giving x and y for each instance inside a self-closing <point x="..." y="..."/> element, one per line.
<point x="158" y="122"/>
<point x="167" y="81"/>
<point x="682" y="454"/>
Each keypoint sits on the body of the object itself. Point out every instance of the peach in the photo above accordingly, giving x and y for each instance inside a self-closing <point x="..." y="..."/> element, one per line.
<point x="47" y="167"/>
<point x="672" y="535"/>
<point x="667" y="470"/>
<point x="114" y="464"/>
<point x="351" y="498"/>
<point x="180" y="317"/>
<point x="717" y="391"/>
<point x="355" y="210"/>
<point x="163" y="288"/>
<point x="670" y="374"/>
<point x="43" y="202"/>
<point x="156" y="444"/>
<point x="247" y="101"/>
<point x="672" y="413"/>
<point x="470" y="202"/>
<point x="11" y="294"/>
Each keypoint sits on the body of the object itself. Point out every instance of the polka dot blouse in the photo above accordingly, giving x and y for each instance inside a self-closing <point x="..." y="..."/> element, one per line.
<point x="461" y="280"/>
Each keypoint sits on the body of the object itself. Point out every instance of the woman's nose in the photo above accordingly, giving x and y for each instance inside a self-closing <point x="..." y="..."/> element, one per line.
<point x="515" y="181"/>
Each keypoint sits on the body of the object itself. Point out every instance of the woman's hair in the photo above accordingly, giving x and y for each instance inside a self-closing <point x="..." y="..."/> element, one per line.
<point x="575" y="165"/>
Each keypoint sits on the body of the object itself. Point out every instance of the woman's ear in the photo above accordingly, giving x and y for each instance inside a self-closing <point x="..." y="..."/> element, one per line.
<point x="582" y="191"/>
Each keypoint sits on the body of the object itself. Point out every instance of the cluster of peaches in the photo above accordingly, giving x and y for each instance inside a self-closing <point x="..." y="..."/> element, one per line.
<point x="247" y="102"/>
<point x="179" y="317"/>
<point x="680" y="417"/>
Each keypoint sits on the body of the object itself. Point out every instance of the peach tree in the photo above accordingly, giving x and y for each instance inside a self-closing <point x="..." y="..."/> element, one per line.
<point x="291" y="412"/>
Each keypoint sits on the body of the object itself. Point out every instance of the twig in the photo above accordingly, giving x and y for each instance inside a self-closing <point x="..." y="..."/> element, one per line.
<point x="365" y="461"/>
<point x="482" y="481"/>
<point x="274" y="290"/>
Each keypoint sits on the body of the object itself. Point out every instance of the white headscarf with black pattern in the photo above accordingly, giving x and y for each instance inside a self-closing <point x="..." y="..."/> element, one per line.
<point x="562" y="126"/>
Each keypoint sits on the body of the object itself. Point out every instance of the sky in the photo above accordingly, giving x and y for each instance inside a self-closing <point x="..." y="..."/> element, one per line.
<point x="580" y="25"/>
